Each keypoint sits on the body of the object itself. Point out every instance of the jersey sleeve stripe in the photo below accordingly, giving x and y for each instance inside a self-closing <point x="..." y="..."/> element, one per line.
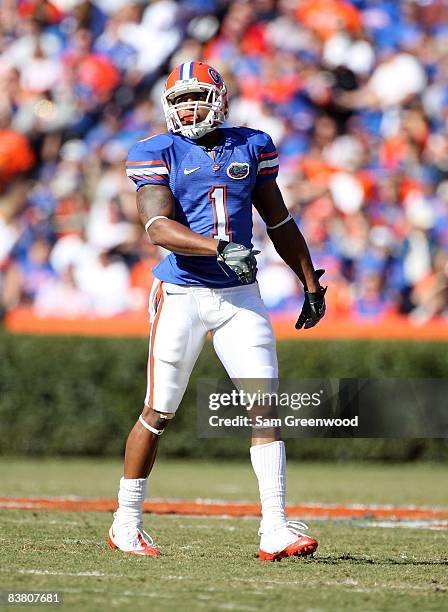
<point x="148" y="179"/>
<point x="156" y="177"/>
<point x="147" y="171"/>
<point x="270" y="163"/>
<point x="268" y="155"/>
<point x="152" y="162"/>
<point x="269" y="171"/>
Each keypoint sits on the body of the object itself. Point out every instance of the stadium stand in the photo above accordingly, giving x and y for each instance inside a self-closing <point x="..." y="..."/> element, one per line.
<point x="355" y="95"/>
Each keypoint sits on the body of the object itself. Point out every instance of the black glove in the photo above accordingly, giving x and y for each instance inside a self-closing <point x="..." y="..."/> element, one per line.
<point x="313" y="308"/>
<point x="239" y="259"/>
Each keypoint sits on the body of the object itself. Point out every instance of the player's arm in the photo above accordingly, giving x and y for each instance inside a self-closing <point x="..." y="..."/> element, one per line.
<point x="155" y="205"/>
<point x="286" y="237"/>
<point x="292" y="248"/>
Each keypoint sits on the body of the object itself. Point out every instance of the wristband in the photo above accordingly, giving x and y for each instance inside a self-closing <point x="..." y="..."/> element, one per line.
<point x="288" y="218"/>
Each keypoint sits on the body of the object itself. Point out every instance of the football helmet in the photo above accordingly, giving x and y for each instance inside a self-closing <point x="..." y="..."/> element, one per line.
<point x="195" y="77"/>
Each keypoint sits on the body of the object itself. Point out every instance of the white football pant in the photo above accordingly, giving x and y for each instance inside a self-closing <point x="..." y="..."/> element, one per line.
<point x="181" y="317"/>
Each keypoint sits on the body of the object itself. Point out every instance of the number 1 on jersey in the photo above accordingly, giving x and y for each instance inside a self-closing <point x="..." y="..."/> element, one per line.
<point x="217" y="195"/>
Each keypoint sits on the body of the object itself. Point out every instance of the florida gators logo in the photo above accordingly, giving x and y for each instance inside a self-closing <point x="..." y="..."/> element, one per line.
<point x="238" y="170"/>
<point x="216" y="77"/>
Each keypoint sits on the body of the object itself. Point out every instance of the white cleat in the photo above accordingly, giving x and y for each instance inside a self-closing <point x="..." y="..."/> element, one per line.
<point x="131" y="539"/>
<point x="287" y="541"/>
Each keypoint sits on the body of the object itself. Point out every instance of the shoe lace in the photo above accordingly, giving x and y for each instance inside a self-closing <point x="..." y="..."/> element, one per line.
<point x="297" y="527"/>
<point x="133" y="530"/>
<point x="148" y="539"/>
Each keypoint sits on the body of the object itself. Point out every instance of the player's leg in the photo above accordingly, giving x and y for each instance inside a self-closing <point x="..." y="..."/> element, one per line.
<point x="245" y="345"/>
<point x="176" y="338"/>
<point x="143" y="442"/>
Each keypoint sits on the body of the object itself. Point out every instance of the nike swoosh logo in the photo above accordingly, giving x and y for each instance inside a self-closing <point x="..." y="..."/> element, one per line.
<point x="190" y="170"/>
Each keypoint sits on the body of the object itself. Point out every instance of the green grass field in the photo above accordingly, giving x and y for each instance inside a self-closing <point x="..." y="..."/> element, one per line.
<point x="365" y="483"/>
<point x="210" y="563"/>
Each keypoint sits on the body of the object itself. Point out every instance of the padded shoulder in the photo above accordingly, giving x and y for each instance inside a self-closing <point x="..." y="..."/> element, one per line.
<point x="159" y="142"/>
<point x="256" y="137"/>
<point x="149" y="161"/>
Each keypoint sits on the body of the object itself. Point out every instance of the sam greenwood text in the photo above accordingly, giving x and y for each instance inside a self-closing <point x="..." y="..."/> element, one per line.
<point x="287" y="421"/>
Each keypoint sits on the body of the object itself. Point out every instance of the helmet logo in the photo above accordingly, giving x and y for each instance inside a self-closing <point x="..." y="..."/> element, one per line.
<point x="238" y="170"/>
<point x="216" y="77"/>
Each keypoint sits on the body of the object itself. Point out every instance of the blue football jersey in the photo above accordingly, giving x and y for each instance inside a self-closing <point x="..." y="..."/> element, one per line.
<point x="213" y="197"/>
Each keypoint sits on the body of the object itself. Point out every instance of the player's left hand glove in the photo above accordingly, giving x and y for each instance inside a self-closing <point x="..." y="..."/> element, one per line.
<point x="313" y="308"/>
<point x="239" y="259"/>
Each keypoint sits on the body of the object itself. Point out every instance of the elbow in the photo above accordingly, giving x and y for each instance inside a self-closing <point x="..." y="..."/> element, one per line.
<point x="156" y="233"/>
<point x="154" y="237"/>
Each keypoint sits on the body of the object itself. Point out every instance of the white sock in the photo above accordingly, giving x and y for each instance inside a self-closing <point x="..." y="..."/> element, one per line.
<point x="131" y="496"/>
<point x="269" y="463"/>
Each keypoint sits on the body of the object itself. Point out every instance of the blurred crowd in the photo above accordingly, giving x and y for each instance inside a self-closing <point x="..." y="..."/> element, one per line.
<point x="354" y="94"/>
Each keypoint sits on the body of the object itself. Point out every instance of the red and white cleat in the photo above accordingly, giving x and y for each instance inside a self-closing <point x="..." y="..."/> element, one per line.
<point x="131" y="539"/>
<point x="286" y="542"/>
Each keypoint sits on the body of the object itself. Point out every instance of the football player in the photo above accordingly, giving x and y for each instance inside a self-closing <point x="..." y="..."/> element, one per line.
<point x="195" y="190"/>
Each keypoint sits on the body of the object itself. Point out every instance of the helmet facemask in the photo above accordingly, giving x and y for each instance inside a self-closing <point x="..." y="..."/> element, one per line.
<point x="215" y="103"/>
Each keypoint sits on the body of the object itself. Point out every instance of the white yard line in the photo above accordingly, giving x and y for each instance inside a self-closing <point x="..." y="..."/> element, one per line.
<point x="348" y="584"/>
<point x="435" y="525"/>
<point x="38" y="572"/>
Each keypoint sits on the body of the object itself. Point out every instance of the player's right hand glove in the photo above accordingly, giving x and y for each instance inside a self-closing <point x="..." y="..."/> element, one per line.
<point x="313" y="308"/>
<point x="239" y="259"/>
